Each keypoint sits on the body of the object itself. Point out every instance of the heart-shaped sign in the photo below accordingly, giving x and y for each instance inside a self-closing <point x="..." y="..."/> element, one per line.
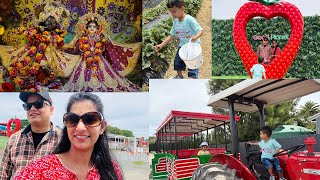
<point x="280" y="65"/>
<point x="17" y="128"/>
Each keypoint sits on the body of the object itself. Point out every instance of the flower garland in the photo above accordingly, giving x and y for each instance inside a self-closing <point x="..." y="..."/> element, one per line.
<point x="38" y="41"/>
<point x="92" y="51"/>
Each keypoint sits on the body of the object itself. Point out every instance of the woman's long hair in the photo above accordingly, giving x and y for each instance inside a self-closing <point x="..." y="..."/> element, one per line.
<point x="100" y="156"/>
<point x="275" y="48"/>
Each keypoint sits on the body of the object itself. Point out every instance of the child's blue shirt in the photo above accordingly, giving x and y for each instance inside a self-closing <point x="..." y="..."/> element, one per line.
<point x="257" y="71"/>
<point x="185" y="30"/>
<point x="269" y="148"/>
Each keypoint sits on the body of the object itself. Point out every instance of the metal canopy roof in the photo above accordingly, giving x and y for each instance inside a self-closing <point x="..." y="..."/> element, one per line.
<point x="269" y="92"/>
<point x="189" y="123"/>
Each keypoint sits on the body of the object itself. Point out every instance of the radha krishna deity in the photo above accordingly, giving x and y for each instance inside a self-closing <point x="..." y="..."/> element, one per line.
<point x="102" y="62"/>
<point x="40" y="61"/>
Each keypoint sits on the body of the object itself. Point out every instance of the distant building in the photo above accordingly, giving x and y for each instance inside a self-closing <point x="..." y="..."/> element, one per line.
<point x="119" y="142"/>
<point x="316" y="118"/>
<point x="142" y="143"/>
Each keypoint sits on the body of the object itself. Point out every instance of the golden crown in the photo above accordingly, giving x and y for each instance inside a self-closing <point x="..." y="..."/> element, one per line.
<point x="58" y="11"/>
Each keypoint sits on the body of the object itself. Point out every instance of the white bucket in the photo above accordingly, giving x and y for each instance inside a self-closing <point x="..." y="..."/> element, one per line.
<point x="191" y="54"/>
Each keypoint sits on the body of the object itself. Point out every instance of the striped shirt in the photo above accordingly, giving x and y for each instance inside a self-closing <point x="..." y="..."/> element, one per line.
<point x="20" y="151"/>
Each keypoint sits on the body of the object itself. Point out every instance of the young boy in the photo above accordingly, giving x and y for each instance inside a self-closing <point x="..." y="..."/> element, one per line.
<point x="258" y="70"/>
<point x="204" y="149"/>
<point x="185" y="27"/>
<point x="264" y="50"/>
<point x="269" y="147"/>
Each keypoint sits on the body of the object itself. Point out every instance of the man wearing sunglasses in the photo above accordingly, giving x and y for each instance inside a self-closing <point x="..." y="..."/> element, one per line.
<point x="38" y="139"/>
<point x="264" y="50"/>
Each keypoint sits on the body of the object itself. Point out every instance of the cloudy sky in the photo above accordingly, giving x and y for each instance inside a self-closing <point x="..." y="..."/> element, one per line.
<point x="184" y="95"/>
<point x="227" y="9"/>
<point x="122" y="110"/>
<point x="141" y="113"/>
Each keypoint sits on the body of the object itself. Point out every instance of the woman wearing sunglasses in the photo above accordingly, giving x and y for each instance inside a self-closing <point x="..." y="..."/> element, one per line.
<point x="83" y="152"/>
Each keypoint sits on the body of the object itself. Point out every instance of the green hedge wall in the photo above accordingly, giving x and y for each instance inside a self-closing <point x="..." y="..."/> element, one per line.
<point x="225" y="58"/>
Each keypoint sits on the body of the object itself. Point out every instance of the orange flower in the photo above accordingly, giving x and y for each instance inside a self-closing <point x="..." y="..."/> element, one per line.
<point x="26" y="60"/>
<point x="98" y="52"/>
<point x="96" y="59"/>
<point x="19" y="64"/>
<point x="45" y="33"/>
<point x="89" y="61"/>
<point x="98" y="44"/>
<point x="18" y="81"/>
<point x="39" y="57"/>
<point x="87" y="54"/>
<point x="12" y="72"/>
<point x="36" y="65"/>
<point x="94" y="68"/>
<point x="86" y="47"/>
<point x="42" y="46"/>
<point x="33" y="50"/>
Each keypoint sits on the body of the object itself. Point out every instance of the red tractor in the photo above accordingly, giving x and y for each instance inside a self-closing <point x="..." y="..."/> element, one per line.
<point x="253" y="95"/>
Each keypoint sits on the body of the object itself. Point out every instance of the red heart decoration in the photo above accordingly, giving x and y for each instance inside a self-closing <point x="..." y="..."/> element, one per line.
<point x="280" y="65"/>
<point x="17" y="128"/>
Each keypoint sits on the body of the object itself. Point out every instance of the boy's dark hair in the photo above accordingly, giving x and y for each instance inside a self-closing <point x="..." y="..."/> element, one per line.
<point x="175" y="3"/>
<point x="260" y="59"/>
<point x="266" y="130"/>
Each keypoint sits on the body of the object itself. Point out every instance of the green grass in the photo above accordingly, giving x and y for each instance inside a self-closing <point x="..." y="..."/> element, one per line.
<point x="230" y="77"/>
<point x="3" y="142"/>
<point x="138" y="162"/>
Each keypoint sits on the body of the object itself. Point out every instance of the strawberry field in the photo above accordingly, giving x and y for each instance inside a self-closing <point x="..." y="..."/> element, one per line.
<point x="157" y="23"/>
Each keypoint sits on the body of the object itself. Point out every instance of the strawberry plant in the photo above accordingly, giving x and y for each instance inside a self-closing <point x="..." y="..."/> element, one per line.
<point x="154" y="64"/>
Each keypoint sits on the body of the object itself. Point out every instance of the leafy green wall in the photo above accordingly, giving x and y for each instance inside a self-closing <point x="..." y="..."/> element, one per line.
<point x="226" y="61"/>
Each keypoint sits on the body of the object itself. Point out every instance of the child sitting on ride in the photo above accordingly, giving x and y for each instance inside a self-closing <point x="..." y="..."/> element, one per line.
<point x="269" y="147"/>
<point x="258" y="70"/>
<point x="204" y="149"/>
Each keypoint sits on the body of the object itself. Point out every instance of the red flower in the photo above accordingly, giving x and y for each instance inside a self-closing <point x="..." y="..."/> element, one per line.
<point x="8" y="87"/>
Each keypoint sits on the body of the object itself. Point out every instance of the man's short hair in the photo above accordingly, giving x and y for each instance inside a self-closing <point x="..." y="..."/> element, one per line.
<point x="266" y="130"/>
<point x="175" y="3"/>
<point x="260" y="59"/>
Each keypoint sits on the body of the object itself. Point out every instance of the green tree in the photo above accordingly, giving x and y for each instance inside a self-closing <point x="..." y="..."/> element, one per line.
<point x="114" y="130"/>
<point x="127" y="133"/>
<point x="310" y="108"/>
<point x="248" y="126"/>
<point x="281" y="114"/>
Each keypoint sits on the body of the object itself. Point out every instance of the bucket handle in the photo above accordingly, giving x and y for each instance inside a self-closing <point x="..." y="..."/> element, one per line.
<point x="189" y="47"/>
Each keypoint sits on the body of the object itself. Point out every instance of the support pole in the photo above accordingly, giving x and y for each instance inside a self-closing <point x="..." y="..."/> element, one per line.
<point x="175" y="136"/>
<point x="225" y="136"/>
<point x="234" y="131"/>
<point x="194" y="140"/>
<point x="166" y="138"/>
<point x="215" y="136"/>
<point x="157" y="147"/>
<point x="261" y="113"/>
<point x="208" y="135"/>
<point x="162" y="138"/>
<point x="170" y="142"/>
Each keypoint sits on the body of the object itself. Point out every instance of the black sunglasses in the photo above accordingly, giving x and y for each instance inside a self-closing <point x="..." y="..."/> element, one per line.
<point x="37" y="104"/>
<point x="91" y="119"/>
